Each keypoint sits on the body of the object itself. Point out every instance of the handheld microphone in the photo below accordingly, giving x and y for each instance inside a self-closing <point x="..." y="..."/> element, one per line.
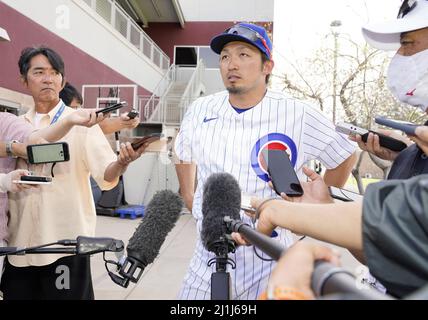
<point x="326" y="278"/>
<point x="160" y="217"/>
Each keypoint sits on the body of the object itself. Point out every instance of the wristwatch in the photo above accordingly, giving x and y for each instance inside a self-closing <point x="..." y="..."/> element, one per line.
<point x="9" y="149"/>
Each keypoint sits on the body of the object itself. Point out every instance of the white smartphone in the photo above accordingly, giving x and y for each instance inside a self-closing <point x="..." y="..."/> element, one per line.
<point x="350" y="129"/>
<point x="384" y="141"/>
<point x="34" y="180"/>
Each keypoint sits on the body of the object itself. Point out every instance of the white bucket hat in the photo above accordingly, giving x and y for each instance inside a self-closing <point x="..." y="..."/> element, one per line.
<point x="413" y="15"/>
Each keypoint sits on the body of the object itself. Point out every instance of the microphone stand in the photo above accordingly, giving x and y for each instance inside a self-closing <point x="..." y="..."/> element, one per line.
<point x="220" y="280"/>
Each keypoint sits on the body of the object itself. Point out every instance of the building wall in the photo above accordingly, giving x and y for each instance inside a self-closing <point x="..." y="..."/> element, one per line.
<point x="227" y="10"/>
<point x="94" y="53"/>
<point x="196" y="33"/>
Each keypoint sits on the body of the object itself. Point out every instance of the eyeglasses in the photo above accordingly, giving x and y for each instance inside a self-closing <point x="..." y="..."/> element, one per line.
<point x="406" y="7"/>
<point x="250" y="34"/>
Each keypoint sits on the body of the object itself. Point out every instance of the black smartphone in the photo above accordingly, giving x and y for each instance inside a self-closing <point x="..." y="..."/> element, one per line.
<point x="146" y="139"/>
<point x="36" y="178"/>
<point x="132" y="114"/>
<point x="112" y="108"/>
<point x="281" y="172"/>
<point x="386" y="142"/>
<point x="48" y="153"/>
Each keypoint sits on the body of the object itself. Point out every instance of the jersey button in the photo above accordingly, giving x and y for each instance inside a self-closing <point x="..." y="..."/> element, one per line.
<point x="424" y="156"/>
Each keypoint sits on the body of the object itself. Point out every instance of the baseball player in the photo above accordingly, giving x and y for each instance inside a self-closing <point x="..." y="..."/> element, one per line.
<point x="227" y="131"/>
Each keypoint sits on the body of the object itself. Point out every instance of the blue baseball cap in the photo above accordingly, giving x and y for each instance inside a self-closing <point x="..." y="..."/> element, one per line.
<point x="246" y="32"/>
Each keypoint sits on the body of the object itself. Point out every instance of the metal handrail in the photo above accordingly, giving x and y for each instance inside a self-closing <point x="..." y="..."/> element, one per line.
<point x="153" y="49"/>
<point x="193" y="85"/>
<point x="160" y="90"/>
<point x="170" y="109"/>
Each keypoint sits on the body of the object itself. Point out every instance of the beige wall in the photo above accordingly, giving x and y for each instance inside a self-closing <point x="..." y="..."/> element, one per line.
<point x="16" y="99"/>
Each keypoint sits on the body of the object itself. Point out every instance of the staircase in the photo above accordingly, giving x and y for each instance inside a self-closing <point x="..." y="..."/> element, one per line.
<point x="169" y="107"/>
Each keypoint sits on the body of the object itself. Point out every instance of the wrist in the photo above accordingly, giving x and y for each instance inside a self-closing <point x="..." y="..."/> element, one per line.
<point x="11" y="150"/>
<point x="283" y="293"/>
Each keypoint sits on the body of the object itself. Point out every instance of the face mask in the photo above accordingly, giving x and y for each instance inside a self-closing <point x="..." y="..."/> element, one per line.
<point x="408" y="79"/>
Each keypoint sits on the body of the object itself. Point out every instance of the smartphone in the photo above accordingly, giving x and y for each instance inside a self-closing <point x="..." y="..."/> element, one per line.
<point x="281" y="172"/>
<point x="246" y="203"/>
<point x="132" y="114"/>
<point x="407" y="127"/>
<point x="384" y="141"/>
<point x="112" y="108"/>
<point x="48" y="153"/>
<point x="344" y="194"/>
<point x="34" y="180"/>
<point x="146" y="139"/>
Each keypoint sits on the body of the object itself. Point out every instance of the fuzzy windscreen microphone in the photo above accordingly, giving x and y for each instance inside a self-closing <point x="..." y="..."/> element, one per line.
<point x="221" y="197"/>
<point x="160" y="217"/>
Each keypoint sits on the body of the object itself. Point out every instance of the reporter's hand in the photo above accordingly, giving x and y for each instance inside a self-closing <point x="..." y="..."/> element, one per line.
<point x="421" y="138"/>
<point x="16" y="175"/>
<point x="127" y="123"/>
<point x="85" y="117"/>
<point x="294" y="269"/>
<point x="314" y="191"/>
<point x="373" y="146"/>
<point x="128" y="154"/>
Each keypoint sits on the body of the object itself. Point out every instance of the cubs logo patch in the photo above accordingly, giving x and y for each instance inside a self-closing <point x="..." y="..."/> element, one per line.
<point x="271" y="141"/>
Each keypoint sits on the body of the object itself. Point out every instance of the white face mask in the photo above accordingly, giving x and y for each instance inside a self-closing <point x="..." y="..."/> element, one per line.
<point x="408" y="79"/>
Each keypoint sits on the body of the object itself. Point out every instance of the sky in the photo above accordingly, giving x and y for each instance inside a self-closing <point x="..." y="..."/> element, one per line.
<point x="300" y="26"/>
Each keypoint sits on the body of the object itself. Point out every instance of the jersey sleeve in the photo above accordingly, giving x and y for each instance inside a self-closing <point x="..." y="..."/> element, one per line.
<point x="184" y="142"/>
<point x="323" y="142"/>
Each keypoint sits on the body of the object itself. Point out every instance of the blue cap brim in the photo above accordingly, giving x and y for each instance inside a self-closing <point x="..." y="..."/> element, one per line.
<point x="218" y="42"/>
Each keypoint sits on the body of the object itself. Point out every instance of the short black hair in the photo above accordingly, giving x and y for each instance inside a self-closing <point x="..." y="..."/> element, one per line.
<point x="265" y="59"/>
<point x="29" y="53"/>
<point x="68" y="93"/>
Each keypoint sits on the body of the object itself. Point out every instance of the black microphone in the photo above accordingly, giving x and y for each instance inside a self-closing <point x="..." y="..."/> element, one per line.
<point x="326" y="278"/>
<point x="160" y="217"/>
<point x="221" y="198"/>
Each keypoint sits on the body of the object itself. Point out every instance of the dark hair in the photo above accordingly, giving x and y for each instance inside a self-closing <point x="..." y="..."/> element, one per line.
<point x="265" y="59"/>
<point x="68" y="93"/>
<point x="29" y="53"/>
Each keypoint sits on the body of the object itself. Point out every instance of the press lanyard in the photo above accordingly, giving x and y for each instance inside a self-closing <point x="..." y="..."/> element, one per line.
<point x="58" y="114"/>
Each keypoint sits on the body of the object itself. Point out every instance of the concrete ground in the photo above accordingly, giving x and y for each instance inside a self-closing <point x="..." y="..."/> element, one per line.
<point x="162" y="279"/>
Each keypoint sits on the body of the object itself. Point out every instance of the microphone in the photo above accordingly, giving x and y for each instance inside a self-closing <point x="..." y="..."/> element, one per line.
<point x="160" y="217"/>
<point x="326" y="278"/>
<point x="221" y="198"/>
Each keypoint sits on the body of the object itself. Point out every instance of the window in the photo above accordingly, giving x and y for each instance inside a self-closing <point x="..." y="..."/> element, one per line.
<point x="189" y="56"/>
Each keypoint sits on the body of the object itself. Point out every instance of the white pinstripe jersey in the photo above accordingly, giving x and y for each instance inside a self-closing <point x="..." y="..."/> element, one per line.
<point x="219" y="139"/>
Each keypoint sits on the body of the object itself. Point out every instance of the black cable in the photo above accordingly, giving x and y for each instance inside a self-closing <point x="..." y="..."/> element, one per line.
<point x="53" y="165"/>
<point x="254" y="247"/>
<point x="28" y="249"/>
